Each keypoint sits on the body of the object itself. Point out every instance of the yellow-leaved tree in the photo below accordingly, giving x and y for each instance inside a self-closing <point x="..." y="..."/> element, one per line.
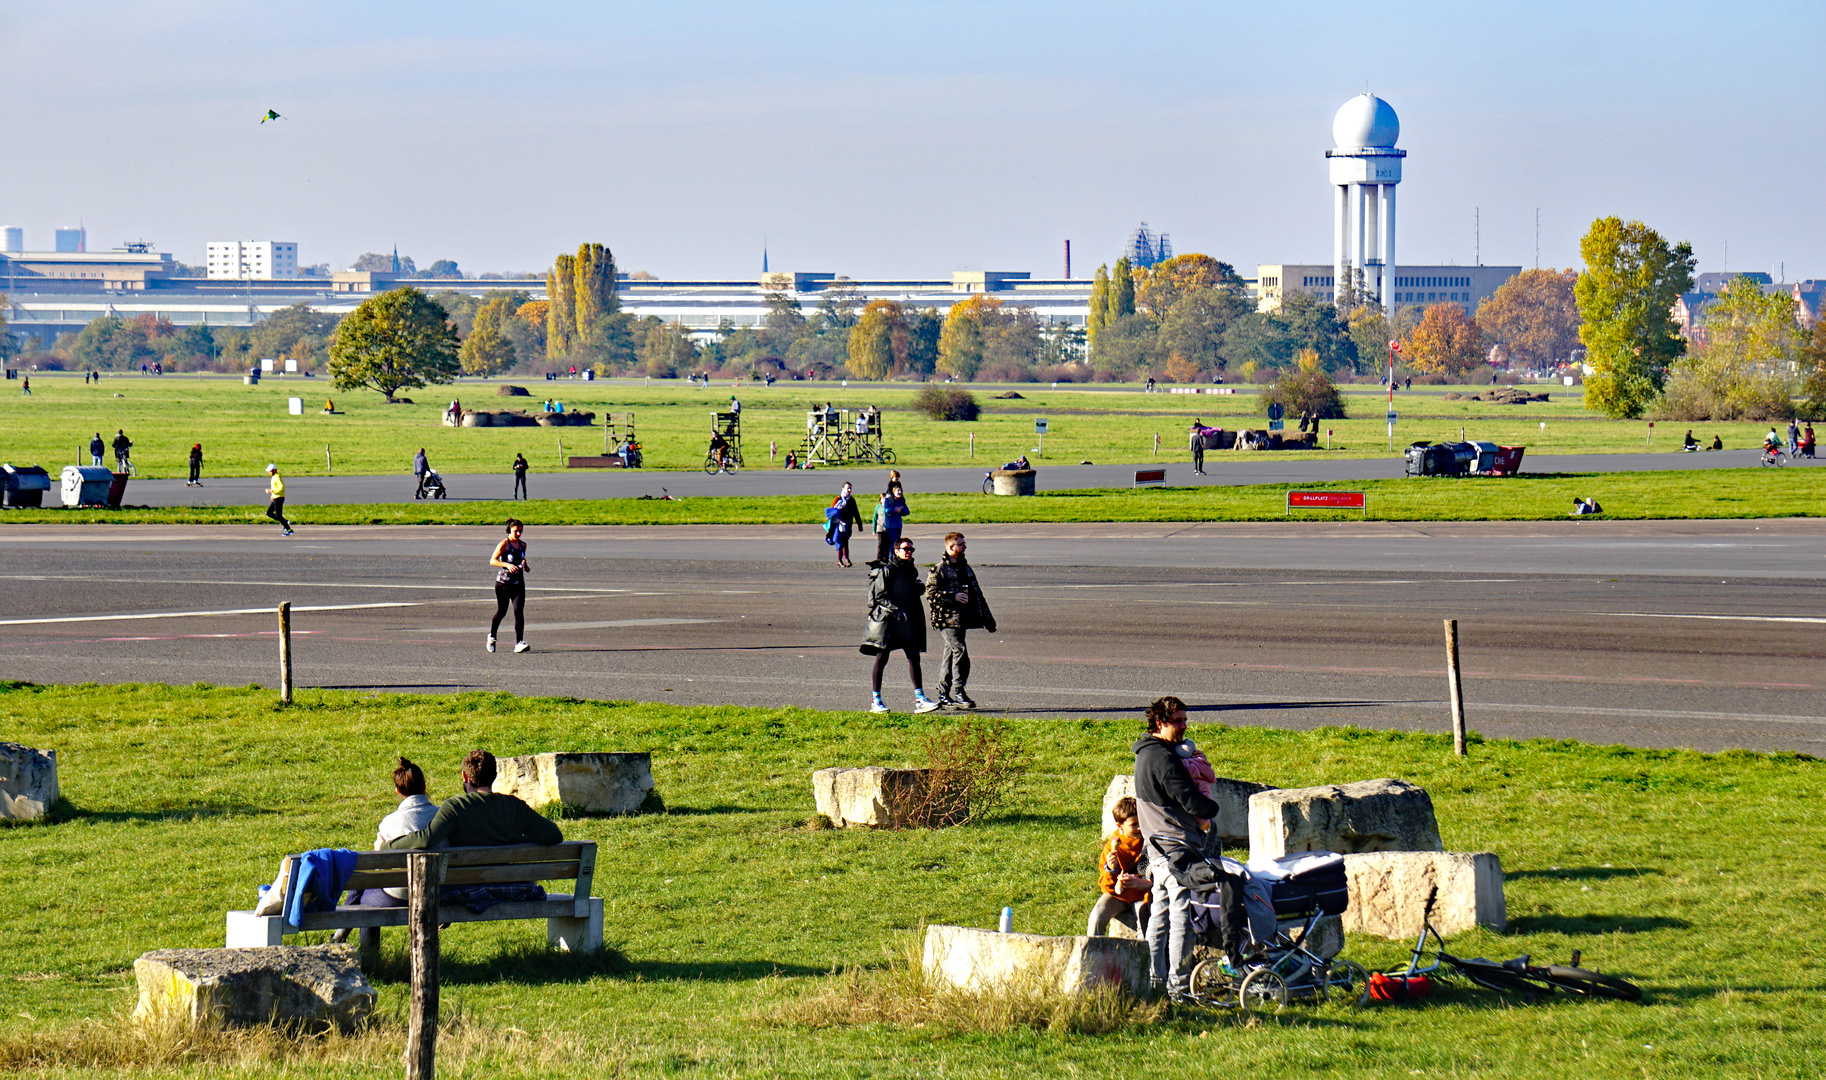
<point x="1447" y="342"/>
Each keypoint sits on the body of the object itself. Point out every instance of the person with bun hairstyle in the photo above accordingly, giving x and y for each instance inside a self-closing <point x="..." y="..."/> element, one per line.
<point x="509" y="560"/>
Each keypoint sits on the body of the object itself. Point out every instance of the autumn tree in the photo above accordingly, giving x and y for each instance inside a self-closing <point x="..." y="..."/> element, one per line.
<point x="1158" y="287"/>
<point x="488" y="350"/>
<point x="9" y="345"/>
<point x="1122" y="291"/>
<point x="561" y="307"/>
<point x="1099" y="305"/>
<point x="880" y="340"/>
<point x="668" y="350"/>
<point x="1535" y="316"/>
<point x="1812" y="362"/>
<point x="399" y="340"/>
<point x="1626" y="301"/>
<point x="1742" y="371"/>
<point x="593" y="291"/>
<point x="1370" y="331"/>
<point x="960" y="343"/>
<point x="1447" y="342"/>
<point x="1304" y="388"/>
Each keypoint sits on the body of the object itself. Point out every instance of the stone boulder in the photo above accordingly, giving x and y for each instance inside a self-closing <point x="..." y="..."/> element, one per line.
<point x="1388" y="892"/>
<point x="982" y="961"/>
<point x="477" y="418"/>
<point x="595" y="783"/>
<point x="1231" y="796"/>
<point x="309" y="987"/>
<point x="871" y="797"/>
<point x="28" y="782"/>
<point x="509" y="390"/>
<point x="1371" y="815"/>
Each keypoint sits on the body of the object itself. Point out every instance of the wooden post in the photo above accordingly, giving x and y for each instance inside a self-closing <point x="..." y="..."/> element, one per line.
<point x="285" y="653"/>
<point x="1455" y="689"/>
<point x="329" y="464"/>
<point x="561" y="451"/>
<point x="424" y="877"/>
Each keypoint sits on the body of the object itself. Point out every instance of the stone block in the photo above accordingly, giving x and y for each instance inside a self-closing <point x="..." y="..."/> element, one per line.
<point x="870" y="797"/>
<point x="596" y="783"/>
<point x="982" y="960"/>
<point x="1231" y="796"/>
<point x="1370" y="815"/>
<point x="310" y="987"/>
<point x="28" y="782"/>
<point x="1388" y="892"/>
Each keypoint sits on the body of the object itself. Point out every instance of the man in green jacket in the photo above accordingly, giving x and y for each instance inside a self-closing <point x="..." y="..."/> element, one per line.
<point x="479" y="817"/>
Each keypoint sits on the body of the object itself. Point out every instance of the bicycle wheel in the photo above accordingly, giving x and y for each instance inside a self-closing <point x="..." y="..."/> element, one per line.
<point x="732" y="463"/>
<point x="988" y="485"/>
<point x="710" y="465"/>
<point x="1591" y="983"/>
<point x="1263" y="989"/>
<point x="1345" y="975"/>
<point x="887" y="457"/>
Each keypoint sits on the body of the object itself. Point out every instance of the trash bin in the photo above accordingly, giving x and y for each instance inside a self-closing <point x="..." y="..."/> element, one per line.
<point x="86" y="485"/>
<point x="23" y="485"/>
<point x="1508" y="461"/>
<point x="1012" y="481"/>
<point x="1419" y="459"/>
<point x="117" y="487"/>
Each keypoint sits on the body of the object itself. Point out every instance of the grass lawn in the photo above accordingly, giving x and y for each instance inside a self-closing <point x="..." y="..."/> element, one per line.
<point x="243" y="427"/>
<point x="1737" y="493"/>
<point x="1695" y="875"/>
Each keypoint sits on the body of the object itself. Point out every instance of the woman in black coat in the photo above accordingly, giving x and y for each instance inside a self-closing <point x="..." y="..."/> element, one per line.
<point x="897" y="621"/>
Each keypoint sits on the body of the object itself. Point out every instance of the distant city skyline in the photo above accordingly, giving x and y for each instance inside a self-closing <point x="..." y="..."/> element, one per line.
<point x="879" y="140"/>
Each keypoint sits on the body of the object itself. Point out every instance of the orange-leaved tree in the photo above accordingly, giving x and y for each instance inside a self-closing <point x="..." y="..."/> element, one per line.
<point x="1447" y="342"/>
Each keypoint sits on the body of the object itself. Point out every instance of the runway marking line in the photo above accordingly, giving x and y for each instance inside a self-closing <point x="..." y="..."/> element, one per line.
<point x="200" y="614"/>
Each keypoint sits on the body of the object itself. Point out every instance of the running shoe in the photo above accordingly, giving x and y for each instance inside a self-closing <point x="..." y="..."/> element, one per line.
<point x="521" y="646"/>
<point x="876" y="705"/>
<point x="924" y="704"/>
<point x="962" y="700"/>
<point x="491" y="643"/>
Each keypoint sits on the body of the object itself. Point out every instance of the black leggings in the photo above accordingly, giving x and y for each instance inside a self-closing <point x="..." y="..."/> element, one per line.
<point x="513" y="592"/>
<point x="881" y="664"/>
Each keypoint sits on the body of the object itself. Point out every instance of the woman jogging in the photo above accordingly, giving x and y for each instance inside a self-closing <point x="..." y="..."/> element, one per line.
<point x="509" y="560"/>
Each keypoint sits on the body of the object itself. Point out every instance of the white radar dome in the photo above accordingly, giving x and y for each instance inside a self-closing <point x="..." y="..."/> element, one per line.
<point x="1365" y="120"/>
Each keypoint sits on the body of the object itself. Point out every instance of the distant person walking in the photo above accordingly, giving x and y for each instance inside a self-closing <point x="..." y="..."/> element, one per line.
<point x="196" y="466"/>
<point x="96" y="449"/>
<point x="896" y="622"/>
<point x="509" y="561"/>
<point x="123" y="449"/>
<point x="420" y="466"/>
<point x="25" y="386"/>
<point x="1195" y="442"/>
<point x="275" y="493"/>
<point x="890" y="513"/>
<point x="1794" y="437"/>
<point x="520" y="468"/>
<point x="841" y="521"/>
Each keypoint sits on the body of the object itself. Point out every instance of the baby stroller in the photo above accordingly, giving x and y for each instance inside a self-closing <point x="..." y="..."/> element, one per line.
<point x="1285" y="899"/>
<point x="433" y="487"/>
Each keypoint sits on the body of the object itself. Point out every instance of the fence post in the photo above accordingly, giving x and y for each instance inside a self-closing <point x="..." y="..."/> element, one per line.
<point x="285" y="652"/>
<point x="1455" y="689"/>
<point x="329" y="465"/>
<point x="424" y="877"/>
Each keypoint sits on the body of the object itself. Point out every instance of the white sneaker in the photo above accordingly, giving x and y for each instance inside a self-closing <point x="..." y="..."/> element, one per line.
<point x="922" y="703"/>
<point x="491" y="643"/>
<point x="521" y="646"/>
<point x="876" y="705"/>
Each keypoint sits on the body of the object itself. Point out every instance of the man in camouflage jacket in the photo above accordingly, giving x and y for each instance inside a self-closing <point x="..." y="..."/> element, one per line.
<point x="957" y="605"/>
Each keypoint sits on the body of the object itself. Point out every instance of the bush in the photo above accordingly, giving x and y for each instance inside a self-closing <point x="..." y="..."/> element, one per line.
<point x="1301" y="392"/>
<point x="946" y="403"/>
<point x="972" y="768"/>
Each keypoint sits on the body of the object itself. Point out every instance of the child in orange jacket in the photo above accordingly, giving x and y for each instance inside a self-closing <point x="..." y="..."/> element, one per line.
<point x="1125" y="887"/>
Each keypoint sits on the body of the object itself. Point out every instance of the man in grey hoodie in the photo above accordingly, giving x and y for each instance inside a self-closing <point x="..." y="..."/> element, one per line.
<point x="1172" y="814"/>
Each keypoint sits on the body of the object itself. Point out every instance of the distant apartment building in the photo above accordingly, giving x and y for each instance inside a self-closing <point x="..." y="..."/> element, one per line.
<point x="72" y="240"/>
<point x="255" y="260"/>
<point x="1413" y="285"/>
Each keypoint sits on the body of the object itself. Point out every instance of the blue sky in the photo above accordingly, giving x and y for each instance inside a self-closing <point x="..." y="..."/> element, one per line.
<point x="906" y="139"/>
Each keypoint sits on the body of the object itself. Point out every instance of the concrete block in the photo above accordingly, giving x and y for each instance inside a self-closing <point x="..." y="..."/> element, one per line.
<point x="577" y="935"/>
<point x="1231" y="796"/>
<point x="1371" y="815"/>
<point x="28" y="782"/>
<point x="870" y="797"/>
<point x="1388" y="892"/>
<point x="311" y="987"/>
<point x="608" y="783"/>
<point x="982" y="960"/>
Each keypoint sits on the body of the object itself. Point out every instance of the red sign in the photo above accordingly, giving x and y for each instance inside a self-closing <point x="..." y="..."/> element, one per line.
<point x="1328" y="500"/>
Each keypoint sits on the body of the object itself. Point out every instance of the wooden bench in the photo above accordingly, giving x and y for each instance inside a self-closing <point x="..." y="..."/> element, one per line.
<point x="573" y="921"/>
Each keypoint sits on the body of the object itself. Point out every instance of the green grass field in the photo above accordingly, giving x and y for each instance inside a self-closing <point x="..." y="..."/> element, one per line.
<point x="1695" y="875"/>
<point x="1737" y="493"/>
<point x="243" y="427"/>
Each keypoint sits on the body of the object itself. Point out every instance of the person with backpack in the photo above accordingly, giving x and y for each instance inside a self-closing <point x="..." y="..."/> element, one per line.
<point x="841" y="520"/>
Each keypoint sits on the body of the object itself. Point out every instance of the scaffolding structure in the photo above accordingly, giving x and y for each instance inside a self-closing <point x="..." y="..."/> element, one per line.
<point x="836" y="436"/>
<point x="618" y="439"/>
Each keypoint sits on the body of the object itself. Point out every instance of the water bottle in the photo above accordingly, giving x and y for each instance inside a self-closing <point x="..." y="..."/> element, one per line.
<point x="1007" y="920"/>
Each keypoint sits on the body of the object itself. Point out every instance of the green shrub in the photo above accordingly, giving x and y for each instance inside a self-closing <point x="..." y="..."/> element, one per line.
<point x="946" y="403"/>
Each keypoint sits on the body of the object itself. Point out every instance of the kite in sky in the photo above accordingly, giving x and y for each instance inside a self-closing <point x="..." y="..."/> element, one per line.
<point x="270" y="115"/>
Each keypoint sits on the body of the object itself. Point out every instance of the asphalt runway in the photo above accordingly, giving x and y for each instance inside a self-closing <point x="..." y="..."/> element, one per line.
<point x="1660" y="634"/>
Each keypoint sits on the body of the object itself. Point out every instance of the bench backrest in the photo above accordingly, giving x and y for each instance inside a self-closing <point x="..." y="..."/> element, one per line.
<point x="486" y="866"/>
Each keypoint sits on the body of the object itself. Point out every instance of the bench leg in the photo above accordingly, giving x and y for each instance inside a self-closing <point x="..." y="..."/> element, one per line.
<point x="249" y="931"/>
<point x="577" y="935"/>
<point x="370" y="947"/>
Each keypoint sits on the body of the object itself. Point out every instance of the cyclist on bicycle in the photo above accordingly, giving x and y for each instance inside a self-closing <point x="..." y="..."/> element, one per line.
<point x="1772" y="441"/>
<point x="122" y="447"/>
<point x="719" y="449"/>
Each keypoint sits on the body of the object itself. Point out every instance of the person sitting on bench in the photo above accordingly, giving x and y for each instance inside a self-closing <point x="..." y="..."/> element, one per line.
<point x="479" y="817"/>
<point x="415" y="812"/>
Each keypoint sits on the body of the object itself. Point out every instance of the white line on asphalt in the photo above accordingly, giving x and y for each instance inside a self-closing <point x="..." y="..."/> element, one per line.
<point x="1725" y="618"/>
<point x="197" y="614"/>
<point x="607" y="623"/>
<point x="295" y="584"/>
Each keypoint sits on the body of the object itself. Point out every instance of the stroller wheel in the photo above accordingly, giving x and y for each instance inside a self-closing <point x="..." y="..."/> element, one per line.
<point x="1209" y="980"/>
<point x="1263" y="990"/>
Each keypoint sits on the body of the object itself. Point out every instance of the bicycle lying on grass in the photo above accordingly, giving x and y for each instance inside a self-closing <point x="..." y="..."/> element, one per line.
<point x="1518" y="975"/>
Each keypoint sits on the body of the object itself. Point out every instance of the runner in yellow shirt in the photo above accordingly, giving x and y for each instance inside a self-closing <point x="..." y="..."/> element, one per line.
<point x="275" y="490"/>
